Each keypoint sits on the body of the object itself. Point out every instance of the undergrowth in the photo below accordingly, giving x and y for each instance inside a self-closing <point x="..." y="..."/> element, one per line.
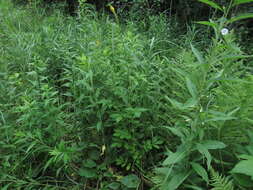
<point x="88" y="103"/>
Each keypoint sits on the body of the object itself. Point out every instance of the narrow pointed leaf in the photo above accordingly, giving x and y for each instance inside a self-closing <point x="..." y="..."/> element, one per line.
<point x="240" y="17"/>
<point x="212" y="4"/>
<point x="197" y="54"/>
<point x="207" y="23"/>
<point x="191" y="87"/>
<point x="239" y="2"/>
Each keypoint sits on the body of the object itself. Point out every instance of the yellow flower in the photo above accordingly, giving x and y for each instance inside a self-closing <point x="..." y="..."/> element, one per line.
<point x="103" y="150"/>
<point x="112" y="9"/>
<point x="97" y="42"/>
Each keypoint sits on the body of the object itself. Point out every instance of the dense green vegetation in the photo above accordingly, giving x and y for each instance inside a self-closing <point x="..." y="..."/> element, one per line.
<point x="111" y="102"/>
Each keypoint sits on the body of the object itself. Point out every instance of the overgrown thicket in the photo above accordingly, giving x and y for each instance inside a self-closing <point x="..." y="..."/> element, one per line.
<point x="87" y="102"/>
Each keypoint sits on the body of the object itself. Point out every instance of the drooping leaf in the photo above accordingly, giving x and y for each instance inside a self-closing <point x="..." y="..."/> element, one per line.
<point x="239" y="2"/>
<point x="212" y="4"/>
<point x="197" y="54"/>
<point x="204" y="151"/>
<point x="191" y="87"/>
<point x="208" y="23"/>
<point x="240" y="17"/>
<point x="200" y="171"/>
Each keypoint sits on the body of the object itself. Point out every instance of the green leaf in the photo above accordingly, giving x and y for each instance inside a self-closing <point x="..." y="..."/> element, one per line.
<point x="114" y="186"/>
<point x="243" y="180"/>
<point x="240" y="17"/>
<point x="200" y="171"/>
<point x="204" y="151"/>
<point x="191" y="87"/>
<point x="176" y="181"/>
<point x="176" y="131"/>
<point x="194" y="187"/>
<point x="197" y="54"/>
<point x="175" y="103"/>
<point x="89" y="163"/>
<point x="176" y="157"/>
<point x="87" y="172"/>
<point x="211" y="4"/>
<point x="130" y="181"/>
<point x="239" y="2"/>
<point x="244" y="167"/>
<point x="208" y="23"/>
<point x="212" y="144"/>
<point x="190" y="103"/>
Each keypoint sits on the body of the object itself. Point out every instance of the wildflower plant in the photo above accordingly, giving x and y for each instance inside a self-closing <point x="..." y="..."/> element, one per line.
<point x="227" y="17"/>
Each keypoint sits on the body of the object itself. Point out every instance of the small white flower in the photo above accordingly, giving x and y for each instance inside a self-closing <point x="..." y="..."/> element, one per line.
<point x="224" y="31"/>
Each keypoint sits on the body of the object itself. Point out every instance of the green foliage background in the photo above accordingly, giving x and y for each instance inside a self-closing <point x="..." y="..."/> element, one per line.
<point x="96" y="101"/>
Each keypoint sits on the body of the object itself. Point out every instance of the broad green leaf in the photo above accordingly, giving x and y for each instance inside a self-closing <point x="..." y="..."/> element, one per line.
<point x="176" y="181"/>
<point x="114" y="186"/>
<point x="197" y="54"/>
<point x="240" y="17"/>
<point x="89" y="163"/>
<point x="6" y="187"/>
<point x="177" y="156"/>
<point x="244" y="167"/>
<point x="212" y="4"/>
<point x="200" y="171"/>
<point x="204" y="151"/>
<point x="87" y="172"/>
<point x="212" y="144"/>
<point x="239" y="2"/>
<point x="245" y="157"/>
<point x="243" y="180"/>
<point x="130" y="181"/>
<point x="191" y="87"/>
